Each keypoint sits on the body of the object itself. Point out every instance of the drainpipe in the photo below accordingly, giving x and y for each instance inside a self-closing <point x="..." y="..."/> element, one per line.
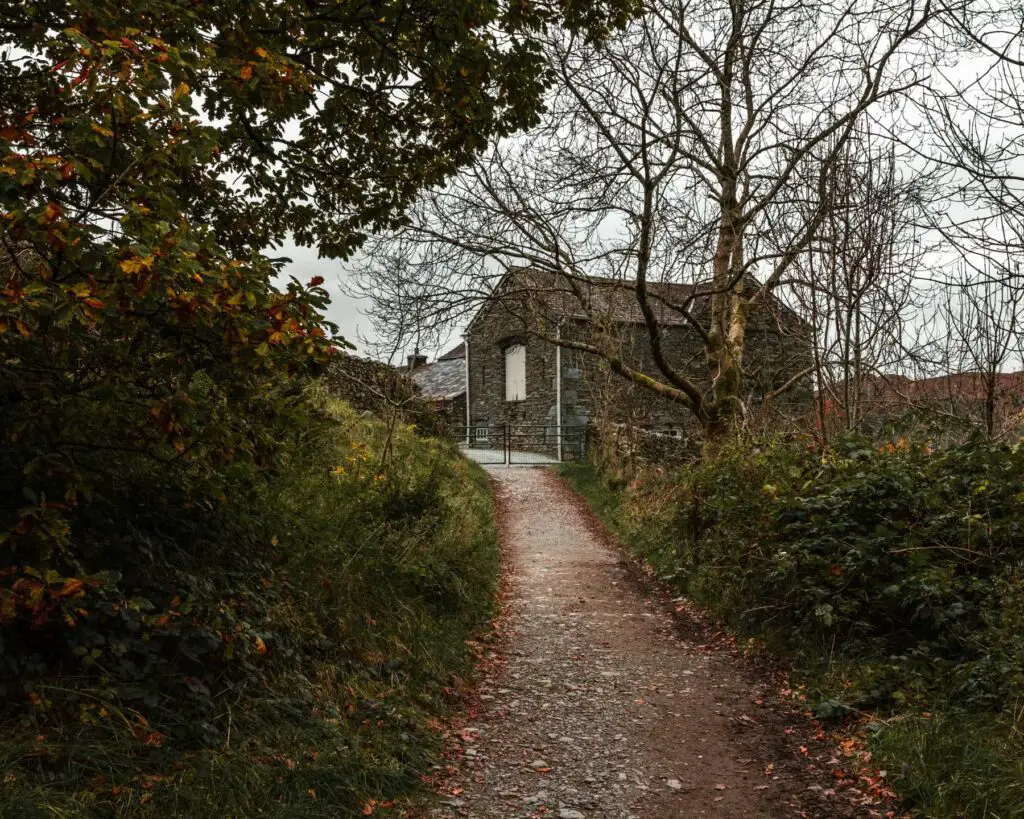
<point x="465" y="341"/>
<point x="558" y="389"/>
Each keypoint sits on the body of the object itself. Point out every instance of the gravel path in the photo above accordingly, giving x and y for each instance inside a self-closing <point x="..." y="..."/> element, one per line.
<point x="599" y="705"/>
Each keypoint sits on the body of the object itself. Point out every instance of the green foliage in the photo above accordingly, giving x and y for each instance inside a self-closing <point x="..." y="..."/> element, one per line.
<point x="283" y="654"/>
<point x="893" y="577"/>
<point x="958" y="765"/>
<point x="905" y="562"/>
<point x="199" y="615"/>
<point x="327" y="119"/>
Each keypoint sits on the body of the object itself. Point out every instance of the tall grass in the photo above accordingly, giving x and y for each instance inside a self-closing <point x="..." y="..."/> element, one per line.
<point x="891" y="579"/>
<point x="377" y="561"/>
<point x="956" y="764"/>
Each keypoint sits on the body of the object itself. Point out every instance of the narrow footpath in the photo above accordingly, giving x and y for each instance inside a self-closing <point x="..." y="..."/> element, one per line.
<point x="599" y="704"/>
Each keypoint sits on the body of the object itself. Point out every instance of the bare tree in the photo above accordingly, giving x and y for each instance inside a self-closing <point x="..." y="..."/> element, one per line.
<point x="856" y="284"/>
<point x="670" y="154"/>
<point x="981" y="315"/>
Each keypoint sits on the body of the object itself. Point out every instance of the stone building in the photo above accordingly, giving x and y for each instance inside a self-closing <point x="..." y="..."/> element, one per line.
<point x="442" y="383"/>
<point x="518" y="375"/>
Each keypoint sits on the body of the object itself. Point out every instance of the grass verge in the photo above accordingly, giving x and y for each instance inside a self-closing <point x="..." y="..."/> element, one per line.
<point x="299" y="653"/>
<point x="890" y="582"/>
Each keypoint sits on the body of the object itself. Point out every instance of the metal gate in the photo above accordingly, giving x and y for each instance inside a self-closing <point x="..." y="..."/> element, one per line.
<point x="520" y="444"/>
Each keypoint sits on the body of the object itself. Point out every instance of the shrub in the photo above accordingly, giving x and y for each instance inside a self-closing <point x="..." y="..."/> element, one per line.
<point x="892" y="577"/>
<point x="281" y="652"/>
<point x="902" y="561"/>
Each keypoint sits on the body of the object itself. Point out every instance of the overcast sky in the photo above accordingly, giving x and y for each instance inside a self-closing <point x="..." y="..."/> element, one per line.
<point x="345" y="311"/>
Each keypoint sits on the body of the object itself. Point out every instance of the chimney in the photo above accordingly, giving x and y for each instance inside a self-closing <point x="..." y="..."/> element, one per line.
<point x="415" y="360"/>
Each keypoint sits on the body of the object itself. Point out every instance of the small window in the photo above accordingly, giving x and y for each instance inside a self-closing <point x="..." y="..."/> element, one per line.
<point x="515" y="372"/>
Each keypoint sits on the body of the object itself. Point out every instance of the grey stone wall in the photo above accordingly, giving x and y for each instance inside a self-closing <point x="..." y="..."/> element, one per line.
<point x="591" y="392"/>
<point x="491" y="334"/>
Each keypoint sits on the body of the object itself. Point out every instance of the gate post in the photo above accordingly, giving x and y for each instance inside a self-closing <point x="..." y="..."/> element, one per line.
<point x="506" y="444"/>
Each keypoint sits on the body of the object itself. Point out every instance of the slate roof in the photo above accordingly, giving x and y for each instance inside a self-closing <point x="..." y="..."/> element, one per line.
<point x="617" y="301"/>
<point x="443" y="380"/>
<point x="594" y="298"/>
<point x="455" y="352"/>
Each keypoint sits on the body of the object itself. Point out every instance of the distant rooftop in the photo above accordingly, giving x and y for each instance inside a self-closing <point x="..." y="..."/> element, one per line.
<point x="454" y="353"/>
<point x="444" y="379"/>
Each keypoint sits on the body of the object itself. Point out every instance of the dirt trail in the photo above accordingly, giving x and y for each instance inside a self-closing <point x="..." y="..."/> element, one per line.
<point x="605" y="707"/>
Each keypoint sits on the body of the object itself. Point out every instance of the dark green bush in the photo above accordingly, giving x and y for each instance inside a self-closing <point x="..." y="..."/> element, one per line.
<point x="903" y="562"/>
<point x="282" y="652"/>
<point x="892" y="577"/>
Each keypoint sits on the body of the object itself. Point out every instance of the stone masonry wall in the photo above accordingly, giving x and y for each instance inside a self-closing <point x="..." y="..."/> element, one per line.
<point x="591" y="392"/>
<point x="488" y="339"/>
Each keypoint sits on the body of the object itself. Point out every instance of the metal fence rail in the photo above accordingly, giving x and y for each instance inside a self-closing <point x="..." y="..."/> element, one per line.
<point x="520" y="444"/>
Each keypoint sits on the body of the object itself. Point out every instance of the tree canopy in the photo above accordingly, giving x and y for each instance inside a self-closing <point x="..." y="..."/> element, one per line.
<point x="151" y="152"/>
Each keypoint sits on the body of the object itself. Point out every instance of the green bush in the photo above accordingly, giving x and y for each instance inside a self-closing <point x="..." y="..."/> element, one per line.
<point x="956" y="764"/>
<point x="282" y="652"/>
<point x="902" y="563"/>
<point x="892" y="577"/>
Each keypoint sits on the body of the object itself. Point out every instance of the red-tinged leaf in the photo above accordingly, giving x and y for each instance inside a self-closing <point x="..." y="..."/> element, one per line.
<point x="73" y="587"/>
<point x="51" y="213"/>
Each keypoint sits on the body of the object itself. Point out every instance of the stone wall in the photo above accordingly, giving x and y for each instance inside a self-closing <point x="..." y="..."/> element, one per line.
<point x="380" y="389"/>
<point x="491" y="334"/>
<point x="626" y="448"/>
<point x="592" y="393"/>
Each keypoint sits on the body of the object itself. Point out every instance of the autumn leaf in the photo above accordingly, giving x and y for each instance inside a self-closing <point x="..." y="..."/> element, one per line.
<point x="51" y="213"/>
<point x="246" y="72"/>
<point x="136" y="263"/>
<point x="72" y="587"/>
